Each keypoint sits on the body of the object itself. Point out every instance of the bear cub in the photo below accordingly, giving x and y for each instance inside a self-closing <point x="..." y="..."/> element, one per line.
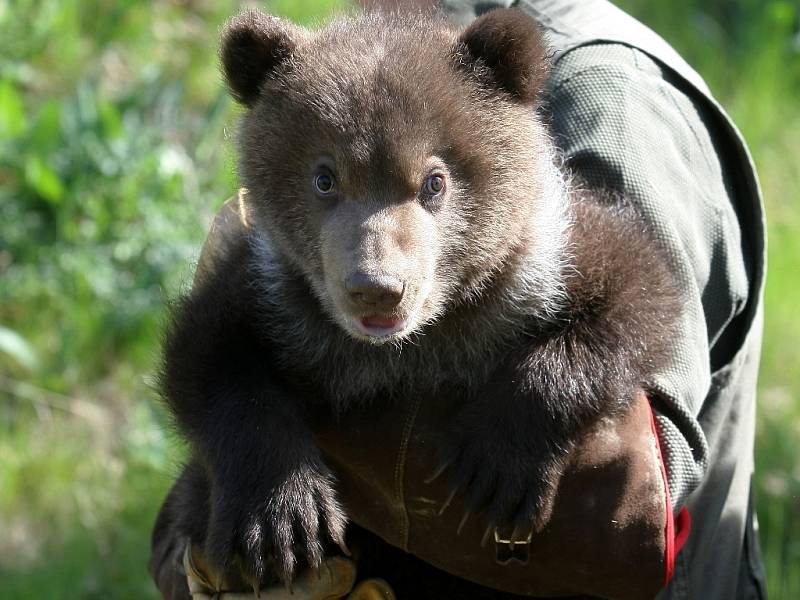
<point x="410" y="230"/>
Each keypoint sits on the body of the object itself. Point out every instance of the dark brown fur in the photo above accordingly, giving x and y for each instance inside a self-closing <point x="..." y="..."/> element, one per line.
<point x="563" y="295"/>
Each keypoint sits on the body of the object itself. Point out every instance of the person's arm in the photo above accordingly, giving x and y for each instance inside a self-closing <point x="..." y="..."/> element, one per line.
<point x="623" y="126"/>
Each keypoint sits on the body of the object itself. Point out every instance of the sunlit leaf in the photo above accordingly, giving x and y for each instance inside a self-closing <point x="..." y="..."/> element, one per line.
<point x="12" y="111"/>
<point x="18" y="348"/>
<point x="782" y="14"/>
<point x="44" y="180"/>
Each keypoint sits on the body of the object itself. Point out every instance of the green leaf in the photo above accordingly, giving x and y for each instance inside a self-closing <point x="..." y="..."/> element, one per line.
<point x="782" y="14"/>
<point x="111" y="120"/>
<point x="46" y="131"/>
<point x="43" y="179"/>
<point x="12" y="111"/>
<point x="14" y="345"/>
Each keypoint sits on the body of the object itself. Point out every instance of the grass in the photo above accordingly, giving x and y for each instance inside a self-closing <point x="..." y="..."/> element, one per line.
<point x="114" y="154"/>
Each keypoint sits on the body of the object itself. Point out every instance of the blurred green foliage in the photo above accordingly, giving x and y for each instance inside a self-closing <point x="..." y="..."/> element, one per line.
<point x="115" y="151"/>
<point x="114" y="155"/>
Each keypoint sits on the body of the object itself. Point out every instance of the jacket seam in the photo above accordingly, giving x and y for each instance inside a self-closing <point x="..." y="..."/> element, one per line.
<point x="399" y="471"/>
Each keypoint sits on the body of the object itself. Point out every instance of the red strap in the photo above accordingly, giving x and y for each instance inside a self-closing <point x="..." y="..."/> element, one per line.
<point x="683" y="525"/>
<point x="678" y="527"/>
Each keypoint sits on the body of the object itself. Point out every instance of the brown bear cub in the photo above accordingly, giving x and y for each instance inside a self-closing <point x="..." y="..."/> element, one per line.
<point x="410" y="231"/>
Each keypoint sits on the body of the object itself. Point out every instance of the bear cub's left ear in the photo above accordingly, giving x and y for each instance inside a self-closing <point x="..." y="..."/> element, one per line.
<point x="507" y="45"/>
<point x="253" y="46"/>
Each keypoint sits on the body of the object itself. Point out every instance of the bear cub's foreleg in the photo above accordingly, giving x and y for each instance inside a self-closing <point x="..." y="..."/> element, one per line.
<point x="272" y="503"/>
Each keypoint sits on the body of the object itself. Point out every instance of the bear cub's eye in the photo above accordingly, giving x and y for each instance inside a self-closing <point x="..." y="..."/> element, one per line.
<point x="324" y="184"/>
<point x="434" y="185"/>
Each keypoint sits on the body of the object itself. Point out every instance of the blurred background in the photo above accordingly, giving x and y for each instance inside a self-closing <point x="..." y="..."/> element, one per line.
<point x="115" y="151"/>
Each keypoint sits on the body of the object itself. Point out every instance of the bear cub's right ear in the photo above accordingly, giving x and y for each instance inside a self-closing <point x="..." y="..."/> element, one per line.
<point x="253" y="46"/>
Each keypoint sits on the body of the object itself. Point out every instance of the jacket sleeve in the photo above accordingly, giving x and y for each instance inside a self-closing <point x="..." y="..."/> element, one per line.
<point x="624" y="125"/>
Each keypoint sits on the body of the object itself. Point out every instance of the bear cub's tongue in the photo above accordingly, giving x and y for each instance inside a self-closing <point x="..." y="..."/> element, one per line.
<point x="378" y="321"/>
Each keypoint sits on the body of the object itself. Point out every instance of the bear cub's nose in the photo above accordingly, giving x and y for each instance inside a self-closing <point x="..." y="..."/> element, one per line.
<point x="375" y="291"/>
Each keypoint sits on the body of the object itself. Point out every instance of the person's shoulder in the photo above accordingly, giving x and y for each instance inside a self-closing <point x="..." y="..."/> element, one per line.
<point x="600" y="67"/>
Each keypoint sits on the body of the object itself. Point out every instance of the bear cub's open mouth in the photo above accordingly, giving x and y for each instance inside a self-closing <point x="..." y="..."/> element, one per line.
<point x="380" y="326"/>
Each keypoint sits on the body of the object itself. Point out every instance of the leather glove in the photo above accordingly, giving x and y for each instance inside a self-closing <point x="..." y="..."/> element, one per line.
<point x="333" y="580"/>
<point x="611" y="533"/>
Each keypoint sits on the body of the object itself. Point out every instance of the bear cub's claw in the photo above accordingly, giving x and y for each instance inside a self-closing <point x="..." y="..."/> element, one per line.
<point x="510" y="482"/>
<point x="268" y="533"/>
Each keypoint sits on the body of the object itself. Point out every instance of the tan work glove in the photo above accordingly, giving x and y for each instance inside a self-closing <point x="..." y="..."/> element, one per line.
<point x="332" y="581"/>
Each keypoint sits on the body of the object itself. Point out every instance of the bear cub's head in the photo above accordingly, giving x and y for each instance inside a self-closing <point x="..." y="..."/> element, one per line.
<point x="397" y="164"/>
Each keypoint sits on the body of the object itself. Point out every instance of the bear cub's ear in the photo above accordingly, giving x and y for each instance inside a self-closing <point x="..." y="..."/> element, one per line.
<point x="253" y="46"/>
<point x="510" y="46"/>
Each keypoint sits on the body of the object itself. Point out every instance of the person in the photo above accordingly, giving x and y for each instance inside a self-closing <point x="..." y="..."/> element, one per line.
<point x="631" y="116"/>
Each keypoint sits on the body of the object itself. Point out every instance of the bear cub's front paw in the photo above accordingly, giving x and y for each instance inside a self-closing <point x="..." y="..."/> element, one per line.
<point x="510" y="481"/>
<point x="267" y="530"/>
